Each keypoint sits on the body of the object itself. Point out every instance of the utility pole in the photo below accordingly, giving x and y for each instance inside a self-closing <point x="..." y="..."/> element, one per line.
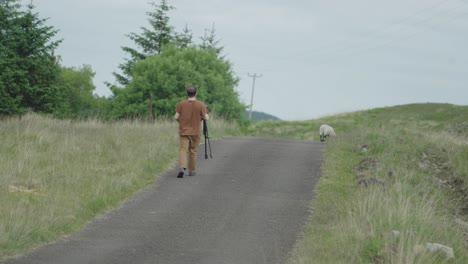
<point x="254" y="76"/>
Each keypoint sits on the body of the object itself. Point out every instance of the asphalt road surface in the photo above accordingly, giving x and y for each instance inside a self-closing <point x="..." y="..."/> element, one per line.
<point x="249" y="204"/>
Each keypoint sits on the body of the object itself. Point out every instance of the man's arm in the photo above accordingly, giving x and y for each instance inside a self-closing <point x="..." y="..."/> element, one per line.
<point x="205" y="116"/>
<point x="176" y="117"/>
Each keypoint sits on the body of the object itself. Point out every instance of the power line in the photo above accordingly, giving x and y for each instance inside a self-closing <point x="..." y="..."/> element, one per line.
<point x="376" y="30"/>
<point x="354" y="50"/>
<point x="375" y="39"/>
<point x="362" y="46"/>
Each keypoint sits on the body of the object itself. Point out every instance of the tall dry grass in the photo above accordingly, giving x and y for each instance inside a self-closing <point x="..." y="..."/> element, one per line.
<point x="57" y="175"/>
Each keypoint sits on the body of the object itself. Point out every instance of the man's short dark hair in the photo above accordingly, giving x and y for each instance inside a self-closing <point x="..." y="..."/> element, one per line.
<point x="191" y="91"/>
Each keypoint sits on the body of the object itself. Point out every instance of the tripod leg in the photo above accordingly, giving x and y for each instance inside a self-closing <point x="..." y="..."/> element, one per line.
<point x="206" y="154"/>
<point x="209" y="145"/>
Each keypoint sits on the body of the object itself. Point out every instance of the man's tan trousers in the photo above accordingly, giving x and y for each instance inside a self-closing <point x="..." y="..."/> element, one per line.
<point x="188" y="144"/>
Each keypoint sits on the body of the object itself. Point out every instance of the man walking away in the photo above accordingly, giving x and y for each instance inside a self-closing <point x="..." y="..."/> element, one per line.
<point x="189" y="114"/>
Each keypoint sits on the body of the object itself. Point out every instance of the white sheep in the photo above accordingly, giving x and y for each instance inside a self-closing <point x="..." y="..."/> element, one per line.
<point x="326" y="131"/>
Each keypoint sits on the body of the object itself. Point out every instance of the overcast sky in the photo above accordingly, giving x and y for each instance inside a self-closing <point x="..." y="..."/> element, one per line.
<point x="315" y="57"/>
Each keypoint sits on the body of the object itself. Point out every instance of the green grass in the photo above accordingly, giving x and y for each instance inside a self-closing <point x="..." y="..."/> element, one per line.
<point x="56" y="176"/>
<point x="413" y="180"/>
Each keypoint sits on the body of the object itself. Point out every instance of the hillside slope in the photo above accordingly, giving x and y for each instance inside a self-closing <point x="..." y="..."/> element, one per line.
<point x="394" y="179"/>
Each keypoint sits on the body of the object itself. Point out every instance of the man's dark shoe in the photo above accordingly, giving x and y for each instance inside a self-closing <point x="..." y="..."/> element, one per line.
<point x="193" y="173"/>
<point x="181" y="173"/>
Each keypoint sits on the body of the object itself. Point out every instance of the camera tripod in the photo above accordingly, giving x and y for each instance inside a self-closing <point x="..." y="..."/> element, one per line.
<point x="207" y="139"/>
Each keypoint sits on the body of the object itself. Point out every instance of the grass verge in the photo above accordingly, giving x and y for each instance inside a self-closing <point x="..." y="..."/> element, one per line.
<point x="393" y="180"/>
<point x="56" y="175"/>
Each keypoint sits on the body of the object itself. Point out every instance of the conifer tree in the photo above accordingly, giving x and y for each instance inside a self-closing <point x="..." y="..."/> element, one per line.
<point x="28" y="67"/>
<point x="149" y="43"/>
<point x="210" y="41"/>
<point x="184" y="39"/>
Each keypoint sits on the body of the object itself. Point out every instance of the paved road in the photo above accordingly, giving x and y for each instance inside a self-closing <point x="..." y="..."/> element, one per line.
<point x="249" y="204"/>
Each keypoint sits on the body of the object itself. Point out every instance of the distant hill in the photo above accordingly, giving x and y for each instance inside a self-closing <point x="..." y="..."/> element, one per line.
<point x="260" y="116"/>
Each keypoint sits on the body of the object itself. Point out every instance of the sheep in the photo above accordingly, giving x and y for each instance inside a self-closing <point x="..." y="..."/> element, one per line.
<point x="326" y="131"/>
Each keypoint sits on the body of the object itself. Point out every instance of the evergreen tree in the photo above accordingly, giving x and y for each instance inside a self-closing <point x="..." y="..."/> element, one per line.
<point x="154" y="78"/>
<point x="149" y="43"/>
<point x="10" y="97"/>
<point x="28" y="67"/>
<point x="10" y="90"/>
<point x="184" y="39"/>
<point x="210" y="41"/>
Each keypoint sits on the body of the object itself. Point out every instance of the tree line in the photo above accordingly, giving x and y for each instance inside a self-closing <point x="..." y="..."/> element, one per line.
<point x="148" y="83"/>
